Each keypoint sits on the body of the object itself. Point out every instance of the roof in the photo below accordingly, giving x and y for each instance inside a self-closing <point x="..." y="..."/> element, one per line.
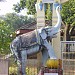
<point x="33" y="25"/>
<point x="29" y="26"/>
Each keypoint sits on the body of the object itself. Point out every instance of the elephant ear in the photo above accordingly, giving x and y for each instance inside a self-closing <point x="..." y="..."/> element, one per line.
<point x="43" y="34"/>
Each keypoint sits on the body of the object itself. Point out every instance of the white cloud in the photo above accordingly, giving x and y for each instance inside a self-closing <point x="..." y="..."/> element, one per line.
<point x="23" y="12"/>
<point x="6" y="7"/>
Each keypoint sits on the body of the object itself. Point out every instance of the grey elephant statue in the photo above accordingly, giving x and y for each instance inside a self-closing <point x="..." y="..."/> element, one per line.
<point x="33" y="42"/>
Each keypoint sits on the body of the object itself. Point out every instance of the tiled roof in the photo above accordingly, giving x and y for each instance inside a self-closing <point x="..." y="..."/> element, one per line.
<point x="29" y="26"/>
<point x="33" y="25"/>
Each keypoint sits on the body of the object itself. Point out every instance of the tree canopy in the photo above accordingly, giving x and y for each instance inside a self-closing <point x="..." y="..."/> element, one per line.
<point x="29" y="4"/>
<point x="68" y="12"/>
<point x="16" y="21"/>
<point x="5" y="31"/>
<point x="68" y="17"/>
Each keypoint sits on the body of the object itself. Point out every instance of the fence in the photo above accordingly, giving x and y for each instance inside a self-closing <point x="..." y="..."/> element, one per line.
<point x="68" y="57"/>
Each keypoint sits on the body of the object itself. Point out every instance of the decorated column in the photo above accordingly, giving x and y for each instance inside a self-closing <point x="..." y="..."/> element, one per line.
<point x="40" y="14"/>
<point x="40" y="23"/>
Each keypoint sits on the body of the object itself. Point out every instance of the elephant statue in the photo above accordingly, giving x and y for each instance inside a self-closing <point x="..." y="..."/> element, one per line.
<point x="33" y="42"/>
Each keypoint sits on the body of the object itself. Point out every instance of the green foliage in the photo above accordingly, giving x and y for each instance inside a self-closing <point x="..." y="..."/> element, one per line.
<point x="68" y="17"/>
<point x="68" y="12"/>
<point x="19" y="6"/>
<point x="12" y="70"/>
<point x="17" y="21"/>
<point x="5" y="39"/>
<point x="29" y="71"/>
<point x="29" y="4"/>
<point x="48" y="12"/>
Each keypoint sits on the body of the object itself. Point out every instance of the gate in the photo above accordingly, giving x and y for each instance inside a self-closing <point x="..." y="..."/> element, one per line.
<point x="68" y="57"/>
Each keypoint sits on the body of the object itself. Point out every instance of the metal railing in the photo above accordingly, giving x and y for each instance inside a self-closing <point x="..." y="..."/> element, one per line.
<point x="68" y="57"/>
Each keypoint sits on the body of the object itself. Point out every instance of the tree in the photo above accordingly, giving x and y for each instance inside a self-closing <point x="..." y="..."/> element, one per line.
<point x="5" y="31"/>
<point x="68" y="17"/>
<point x="16" y="21"/>
<point x="29" y="4"/>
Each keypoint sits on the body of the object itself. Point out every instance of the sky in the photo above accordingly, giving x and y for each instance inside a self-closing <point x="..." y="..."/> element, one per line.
<point x="6" y="7"/>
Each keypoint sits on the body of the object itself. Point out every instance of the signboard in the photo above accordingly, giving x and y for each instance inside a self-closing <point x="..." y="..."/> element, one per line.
<point x="48" y="1"/>
<point x="50" y="73"/>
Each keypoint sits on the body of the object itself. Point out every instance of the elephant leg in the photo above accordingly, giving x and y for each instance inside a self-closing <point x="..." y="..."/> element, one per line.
<point x="50" y="49"/>
<point x="19" y="67"/>
<point x="23" y="61"/>
<point x="44" y="56"/>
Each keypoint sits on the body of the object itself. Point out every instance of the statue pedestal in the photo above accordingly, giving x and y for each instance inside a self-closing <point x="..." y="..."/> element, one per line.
<point x="47" y="71"/>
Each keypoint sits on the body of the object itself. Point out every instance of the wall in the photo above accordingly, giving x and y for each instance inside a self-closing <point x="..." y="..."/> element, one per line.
<point x="3" y="67"/>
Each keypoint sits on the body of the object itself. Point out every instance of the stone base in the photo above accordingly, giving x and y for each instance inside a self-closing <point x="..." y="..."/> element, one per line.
<point x="47" y="71"/>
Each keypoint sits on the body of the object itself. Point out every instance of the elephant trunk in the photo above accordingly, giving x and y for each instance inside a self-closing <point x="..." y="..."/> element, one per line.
<point x="58" y="25"/>
<point x="55" y="29"/>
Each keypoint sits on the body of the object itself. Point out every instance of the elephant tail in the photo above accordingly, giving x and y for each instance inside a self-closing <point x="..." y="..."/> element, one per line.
<point x="12" y="52"/>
